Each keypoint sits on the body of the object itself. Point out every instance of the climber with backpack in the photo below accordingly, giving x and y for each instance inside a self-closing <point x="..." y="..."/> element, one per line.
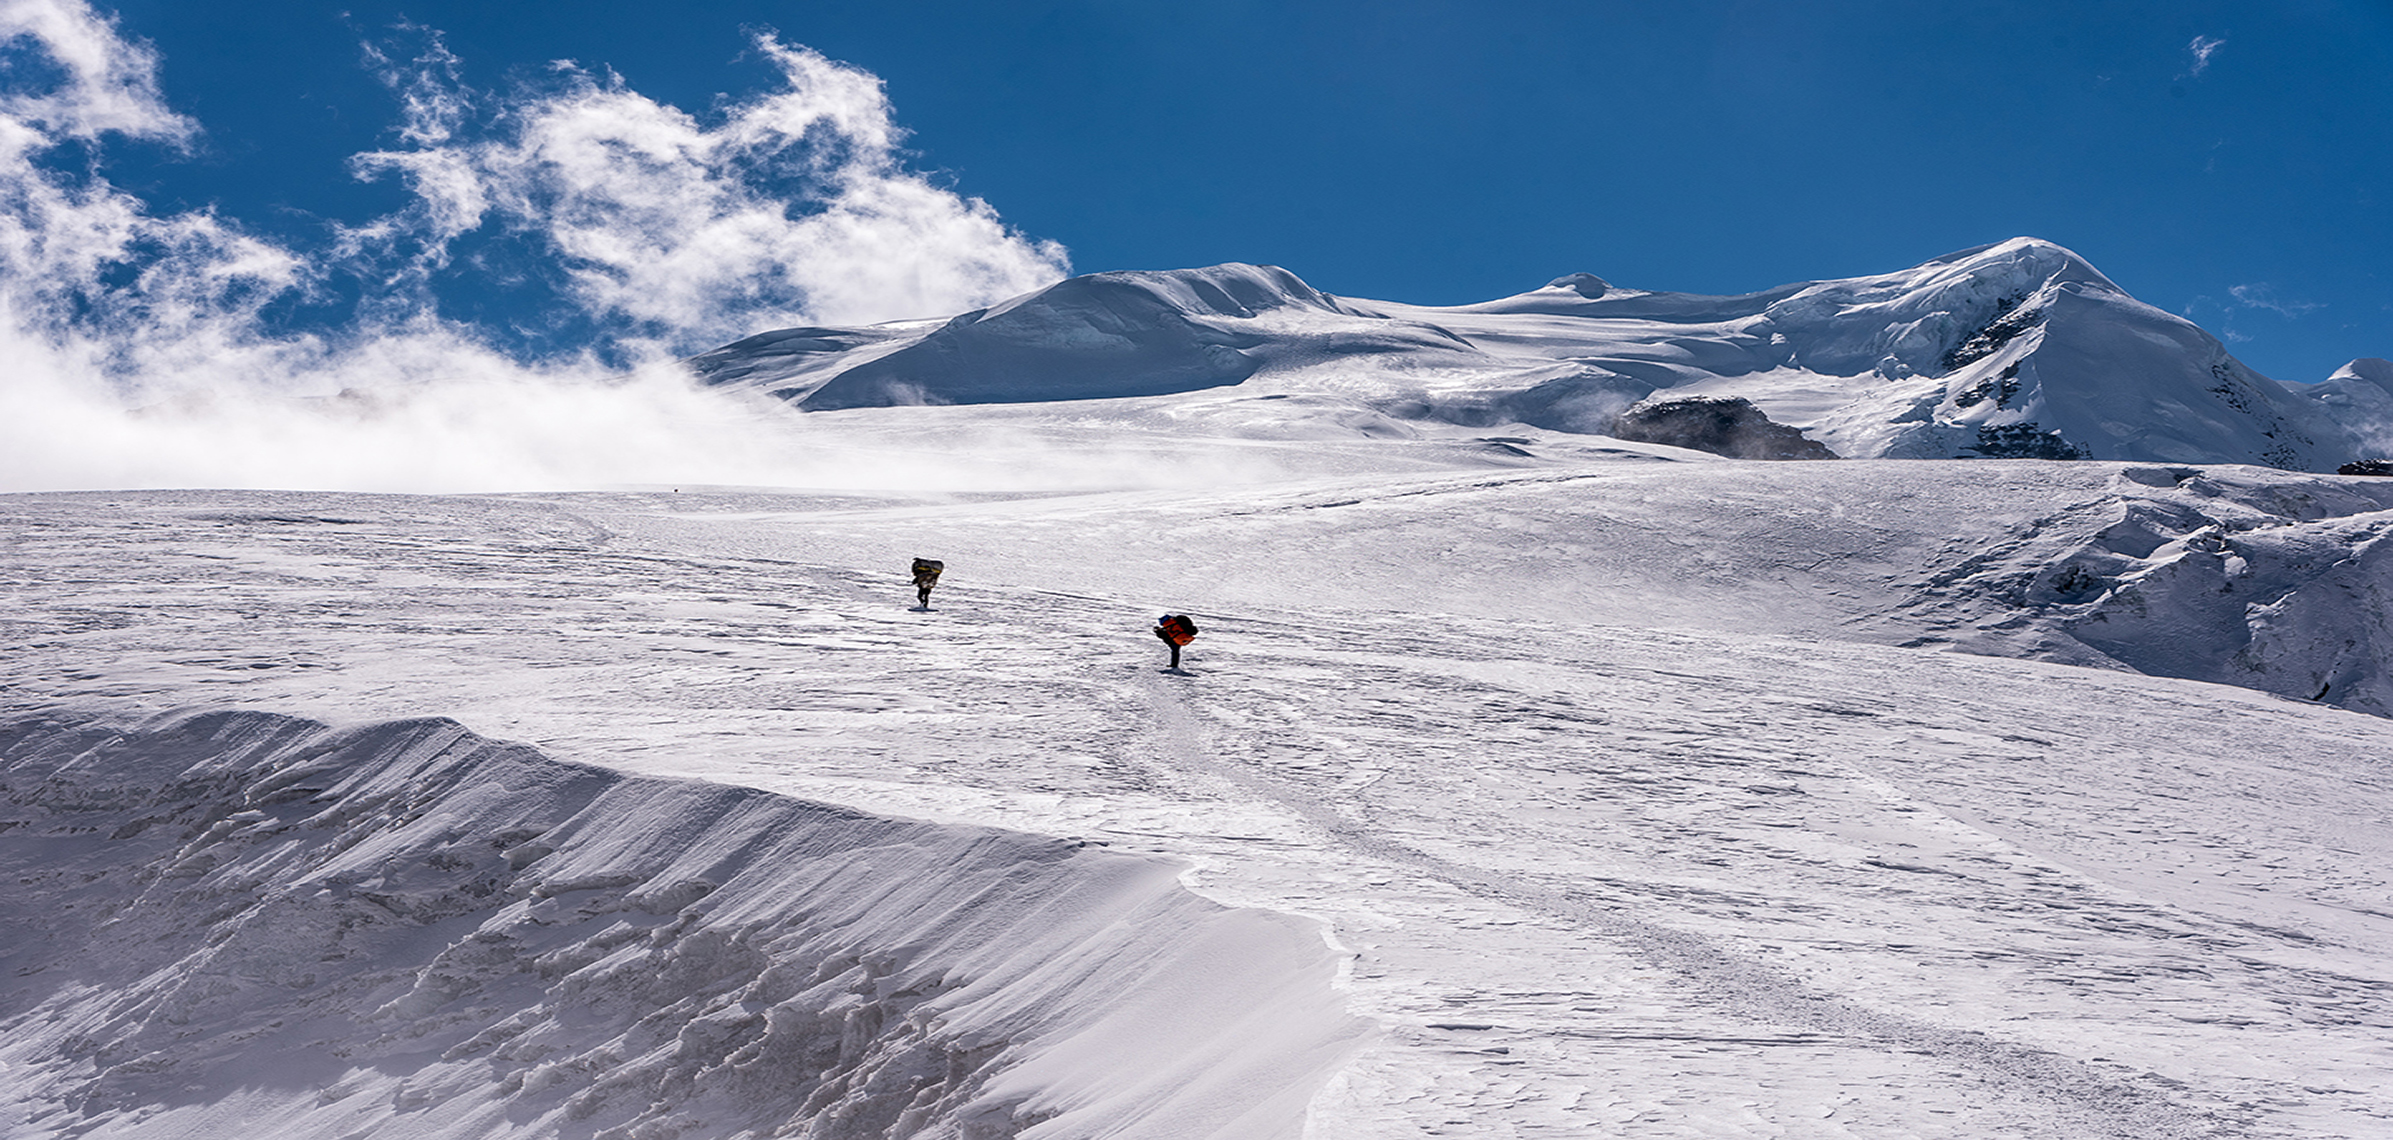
<point x="1175" y="630"/>
<point x="926" y="575"/>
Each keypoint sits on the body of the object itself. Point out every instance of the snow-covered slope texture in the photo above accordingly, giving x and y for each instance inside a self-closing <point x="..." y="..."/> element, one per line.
<point x="2217" y="574"/>
<point x="1622" y="824"/>
<point x="244" y="924"/>
<point x="2018" y="349"/>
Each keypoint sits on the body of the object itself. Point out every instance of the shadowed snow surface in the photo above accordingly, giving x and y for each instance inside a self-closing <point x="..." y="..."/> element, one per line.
<point x="406" y="930"/>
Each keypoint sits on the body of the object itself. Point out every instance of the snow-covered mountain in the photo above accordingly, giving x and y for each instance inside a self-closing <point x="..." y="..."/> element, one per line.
<point x="2018" y="349"/>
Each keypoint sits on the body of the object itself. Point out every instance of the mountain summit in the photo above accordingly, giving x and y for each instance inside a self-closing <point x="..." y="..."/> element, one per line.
<point x="2020" y="349"/>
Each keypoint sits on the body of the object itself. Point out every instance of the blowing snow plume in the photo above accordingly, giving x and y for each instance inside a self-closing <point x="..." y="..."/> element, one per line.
<point x="154" y="348"/>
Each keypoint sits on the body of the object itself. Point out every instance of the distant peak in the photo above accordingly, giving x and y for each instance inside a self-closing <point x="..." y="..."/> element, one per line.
<point x="2374" y="370"/>
<point x="1587" y="285"/>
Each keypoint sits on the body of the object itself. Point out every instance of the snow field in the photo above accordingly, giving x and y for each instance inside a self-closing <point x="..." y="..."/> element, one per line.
<point x="1607" y="769"/>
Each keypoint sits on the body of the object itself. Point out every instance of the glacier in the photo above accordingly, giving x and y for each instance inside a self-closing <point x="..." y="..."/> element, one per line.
<point x="2019" y="349"/>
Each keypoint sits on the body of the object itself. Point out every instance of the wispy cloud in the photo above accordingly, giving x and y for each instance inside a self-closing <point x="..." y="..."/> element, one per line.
<point x="2230" y="317"/>
<point x="107" y="83"/>
<point x="139" y="342"/>
<point x="2262" y="296"/>
<point x="88" y="270"/>
<point x="2202" y="48"/>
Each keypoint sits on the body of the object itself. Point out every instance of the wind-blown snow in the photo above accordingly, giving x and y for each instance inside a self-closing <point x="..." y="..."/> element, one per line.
<point x="154" y="344"/>
<point x="405" y="930"/>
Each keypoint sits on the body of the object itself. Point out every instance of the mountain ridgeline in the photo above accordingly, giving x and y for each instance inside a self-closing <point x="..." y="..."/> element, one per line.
<point x="2019" y="349"/>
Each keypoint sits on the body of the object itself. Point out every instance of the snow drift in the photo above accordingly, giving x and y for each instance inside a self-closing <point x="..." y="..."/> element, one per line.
<point x="242" y="920"/>
<point x="2019" y="349"/>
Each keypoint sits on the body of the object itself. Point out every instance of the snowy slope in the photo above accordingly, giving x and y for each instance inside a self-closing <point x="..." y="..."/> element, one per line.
<point x="403" y="930"/>
<point x="1625" y="781"/>
<point x="2018" y="349"/>
<point x="1111" y="334"/>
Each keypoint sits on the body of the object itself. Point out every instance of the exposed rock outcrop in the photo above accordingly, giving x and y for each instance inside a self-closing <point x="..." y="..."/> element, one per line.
<point x="1722" y="425"/>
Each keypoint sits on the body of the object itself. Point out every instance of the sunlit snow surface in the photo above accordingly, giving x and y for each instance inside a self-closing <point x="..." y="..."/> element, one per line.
<point x="1614" y="791"/>
<point x="2019" y="349"/>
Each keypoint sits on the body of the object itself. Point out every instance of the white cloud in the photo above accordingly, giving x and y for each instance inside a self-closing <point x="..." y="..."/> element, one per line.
<point x="2203" y="47"/>
<point x="110" y="85"/>
<point x="793" y="207"/>
<point x="88" y="270"/>
<point x="139" y="353"/>
<point x="2262" y="296"/>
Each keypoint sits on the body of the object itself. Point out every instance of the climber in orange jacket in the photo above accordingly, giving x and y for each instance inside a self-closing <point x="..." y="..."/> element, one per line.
<point x="1175" y="630"/>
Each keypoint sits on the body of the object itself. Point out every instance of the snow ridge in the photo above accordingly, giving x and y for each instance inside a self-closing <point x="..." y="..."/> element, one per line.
<point x="1106" y="334"/>
<point x="2018" y="349"/>
<point x="403" y="929"/>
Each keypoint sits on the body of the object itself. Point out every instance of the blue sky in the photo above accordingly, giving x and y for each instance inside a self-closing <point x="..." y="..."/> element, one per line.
<point x="2229" y="162"/>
